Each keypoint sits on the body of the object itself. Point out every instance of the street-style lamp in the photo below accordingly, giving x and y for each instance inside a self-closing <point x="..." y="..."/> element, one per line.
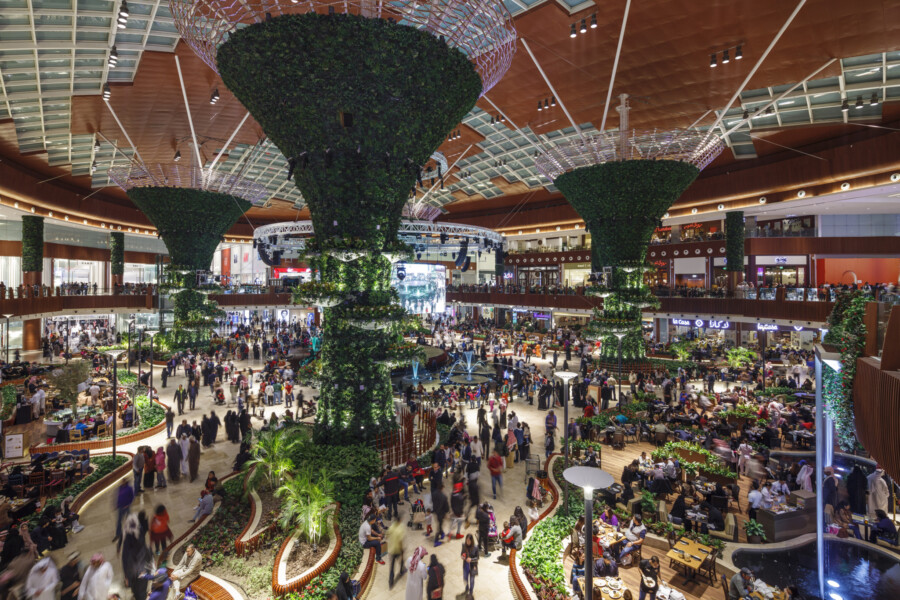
<point x="566" y="377"/>
<point x="7" y="335"/>
<point x="128" y="356"/>
<point x="151" y="334"/>
<point x="589" y="479"/>
<point x="619" y="398"/>
<point x="114" y="355"/>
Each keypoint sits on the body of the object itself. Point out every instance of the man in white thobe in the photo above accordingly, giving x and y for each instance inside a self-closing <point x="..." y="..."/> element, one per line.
<point x="878" y="491"/>
<point x="185" y="444"/>
<point x="42" y="580"/>
<point x="97" y="579"/>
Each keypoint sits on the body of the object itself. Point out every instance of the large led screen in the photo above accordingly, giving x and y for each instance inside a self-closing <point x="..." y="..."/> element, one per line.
<point x="423" y="290"/>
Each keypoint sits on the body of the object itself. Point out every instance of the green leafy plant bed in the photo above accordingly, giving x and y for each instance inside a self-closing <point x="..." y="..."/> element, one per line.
<point x="540" y="556"/>
<point x="102" y="466"/>
<point x="317" y="293"/>
<point x="754" y="528"/>
<point x="8" y="397"/>
<point x="706" y="463"/>
<point x="191" y="222"/>
<point x="848" y="330"/>
<point x="771" y="392"/>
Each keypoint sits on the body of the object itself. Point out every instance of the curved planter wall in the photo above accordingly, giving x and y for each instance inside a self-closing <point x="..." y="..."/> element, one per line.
<point x="249" y="538"/>
<point x="281" y="585"/>
<point x="104" y="443"/>
<point x="101" y="484"/>
<point x="518" y="585"/>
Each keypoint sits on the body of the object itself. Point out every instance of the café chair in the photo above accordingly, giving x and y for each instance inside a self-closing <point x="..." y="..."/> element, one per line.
<point x="618" y="441"/>
<point x="724" y="581"/>
<point x="720" y="502"/>
<point x="735" y="495"/>
<point x="102" y="430"/>
<point x="661" y="437"/>
<point x="57" y="480"/>
<point x="672" y="538"/>
<point x="75" y="435"/>
<point x="632" y="432"/>
<point x="36" y="480"/>
<point x="17" y="483"/>
<point x="708" y="567"/>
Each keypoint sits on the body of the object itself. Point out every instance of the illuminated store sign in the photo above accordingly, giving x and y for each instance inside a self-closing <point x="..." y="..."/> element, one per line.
<point x="766" y="327"/>
<point x="712" y="324"/>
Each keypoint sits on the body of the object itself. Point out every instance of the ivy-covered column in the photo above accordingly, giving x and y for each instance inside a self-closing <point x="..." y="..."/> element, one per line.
<point x="621" y="204"/>
<point x="734" y="248"/>
<point x="32" y="271"/>
<point x="357" y="104"/>
<point x="116" y="259"/>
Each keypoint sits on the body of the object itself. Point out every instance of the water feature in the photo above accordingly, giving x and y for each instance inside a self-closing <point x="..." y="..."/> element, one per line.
<point x="853" y="571"/>
<point x="468" y="354"/>
<point x="468" y="372"/>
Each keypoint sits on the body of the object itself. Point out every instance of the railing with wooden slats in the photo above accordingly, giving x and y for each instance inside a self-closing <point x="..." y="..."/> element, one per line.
<point x="876" y="407"/>
<point x="416" y="435"/>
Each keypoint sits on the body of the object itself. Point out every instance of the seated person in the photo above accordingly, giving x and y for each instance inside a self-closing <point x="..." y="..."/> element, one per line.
<point x="883" y="527"/>
<point x="715" y="521"/>
<point x="609" y="517"/>
<point x="577" y="569"/>
<point x="605" y="566"/>
<point x="635" y="533"/>
<point x="511" y="537"/>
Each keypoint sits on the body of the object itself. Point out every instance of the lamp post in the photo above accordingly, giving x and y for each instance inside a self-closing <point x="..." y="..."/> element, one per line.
<point x="7" y="335"/>
<point x="589" y="479"/>
<point x="566" y="377"/>
<point x="619" y="398"/>
<point x="140" y="359"/>
<point x="114" y="354"/>
<point x="151" y="334"/>
<point x="128" y="356"/>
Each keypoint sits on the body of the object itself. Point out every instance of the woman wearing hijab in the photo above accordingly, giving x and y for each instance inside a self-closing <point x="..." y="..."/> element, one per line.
<point x="194" y="458"/>
<point x="136" y="557"/>
<point x="417" y="574"/>
<point x="344" y="589"/>
<point x="160" y="459"/>
<point x="435" y="590"/>
<point x="149" y="467"/>
<point x="173" y="454"/>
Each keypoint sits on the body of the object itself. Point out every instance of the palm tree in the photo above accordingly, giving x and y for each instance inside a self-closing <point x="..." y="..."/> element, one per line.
<point x="269" y="458"/>
<point x="306" y="505"/>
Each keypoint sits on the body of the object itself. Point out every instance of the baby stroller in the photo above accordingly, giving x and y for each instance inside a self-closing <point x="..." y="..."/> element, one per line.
<point x="493" y="540"/>
<point x="535" y="492"/>
<point x="417" y="515"/>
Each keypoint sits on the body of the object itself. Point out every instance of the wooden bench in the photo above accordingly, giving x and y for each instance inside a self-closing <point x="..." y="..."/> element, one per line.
<point x="207" y="589"/>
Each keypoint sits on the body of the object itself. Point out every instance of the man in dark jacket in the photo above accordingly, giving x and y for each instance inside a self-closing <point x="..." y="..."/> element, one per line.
<point x="649" y="574"/>
<point x="180" y="397"/>
<point x="391" y="485"/>
<point x="440" y="508"/>
<point x="484" y="523"/>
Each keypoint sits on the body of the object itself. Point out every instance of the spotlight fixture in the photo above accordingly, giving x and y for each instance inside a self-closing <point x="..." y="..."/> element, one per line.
<point x="725" y="58"/>
<point x="712" y="60"/>
<point x="215" y="96"/>
<point x="746" y="114"/>
<point x="583" y="26"/>
<point x="762" y="199"/>
<point x="770" y="110"/>
<point x="93" y="166"/>
<point x="845" y="186"/>
<point x="895" y="177"/>
<point x="873" y="101"/>
<point x="113" y="57"/>
<point x="97" y="146"/>
<point x="721" y="207"/>
<point x="859" y="102"/>
<point x="845" y="106"/>
<point x="123" y="10"/>
<point x="106" y="91"/>
<point x="738" y="53"/>
<point x="546" y="105"/>
<point x="573" y="33"/>
<point x="666" y="216"/>
<point x="177" y="156"/>
<point x="693" y="211"/>
<point x="594" y="21"/>
<point x="801" y="194"/>
<point x="540" y="106"/>
<point x="553" y="100"/>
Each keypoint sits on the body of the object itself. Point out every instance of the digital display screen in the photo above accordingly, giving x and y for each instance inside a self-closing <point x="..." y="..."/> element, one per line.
<point x="423" y="291"/>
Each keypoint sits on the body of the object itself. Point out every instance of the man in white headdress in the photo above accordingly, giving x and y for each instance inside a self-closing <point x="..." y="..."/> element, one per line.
<point x="185" y="445"/>
<point x="804" y="477"/>
<point x="418" y="573"/>
<point x="97" y="579"/>
<point x="42" y="580"/>
<point x="878" y="491"/>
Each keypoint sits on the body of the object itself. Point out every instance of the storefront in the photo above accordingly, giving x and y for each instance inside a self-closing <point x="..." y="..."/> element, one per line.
<point x="139" y="273"/>
<point x="715" y="332"/>
<point x="67" y="271"/>
<point x="538" y="277"/>
<point x="780" y="270"/>
<point x="787" y="336"/>
<point x="576" y="274"/>
<point x="690" y="272"/>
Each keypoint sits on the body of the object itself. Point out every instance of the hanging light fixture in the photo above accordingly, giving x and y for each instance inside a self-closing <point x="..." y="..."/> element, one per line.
<point x="113" y="57"/>
<point x="93" y="166"/>
<point x="583" y="26"/>
<point x="859" y="102"/>
<point x="106" y="91"/>
<point x="845" y="106"/>
<point x="594" y="21"/>
<point x="738" y="53"/>
<point x="546" y="105"/>
<point x="725" y="59"/>
<point x="97" y="146"/>
<point x="712" y="61"/>
<point x="552" y="101"/>
<point x="573" y="33"/>
<point x="746" y="114"/>
<point x="873" y="101"/>
<point x="122" y="19"/>
<point x="540" y="106"/>
<point x="215" y="96"/>
<point x="177" y="156"/>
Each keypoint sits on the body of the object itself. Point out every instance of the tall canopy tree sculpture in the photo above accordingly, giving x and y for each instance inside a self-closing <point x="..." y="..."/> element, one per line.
<point x="357" y="95"/>
<point x="622" y="184"/>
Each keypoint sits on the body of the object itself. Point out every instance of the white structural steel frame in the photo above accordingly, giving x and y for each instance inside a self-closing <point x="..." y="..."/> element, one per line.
<point x="300" y="229"/>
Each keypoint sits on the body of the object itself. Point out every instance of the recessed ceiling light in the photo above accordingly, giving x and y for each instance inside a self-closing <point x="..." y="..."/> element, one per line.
<point x="693" y="211"/>
<point x="845" y="186"/>
<point x="801" y="193"/>
<point x="67" y="217"/>
<point x="666" y="216"/>
<point x="558" y="227"/>
<point x="721" y="207"/>
<point x="762" y="199"/>
<point x="538" y="230"/>
<point x="895" y="177"/>
<point x="85" y="221"/>
<point x="15" y="204"/>
<point x="50" y="213"/>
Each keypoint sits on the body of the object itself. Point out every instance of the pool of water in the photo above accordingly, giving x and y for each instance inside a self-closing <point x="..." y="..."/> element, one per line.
<point x="852" y="572"/>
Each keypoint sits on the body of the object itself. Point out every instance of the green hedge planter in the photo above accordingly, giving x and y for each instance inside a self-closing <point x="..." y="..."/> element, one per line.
<point x="32" y="243"/>
<point x="117" y="253"/>
<point x="734" y="241"/>
<point x="190" y="222"/>
<point x="621" y="203"/>
<point x="359" y="103"/>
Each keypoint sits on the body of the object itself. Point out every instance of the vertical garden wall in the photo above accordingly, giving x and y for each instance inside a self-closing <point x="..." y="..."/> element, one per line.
<point x="117" y="253"/>
<point x="32" y="244"/>
<point x="357" y="105"/>
<point x="621" y="204"/>
<point x="734" y="241"/>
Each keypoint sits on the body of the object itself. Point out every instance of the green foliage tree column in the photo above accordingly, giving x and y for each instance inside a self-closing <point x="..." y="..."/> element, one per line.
<point x="621" y="203"/>
<point x="357" y="105"/>
<point x="117" y="253"/>
<point x="32" y="244"/>
<point x="734" y="241"/>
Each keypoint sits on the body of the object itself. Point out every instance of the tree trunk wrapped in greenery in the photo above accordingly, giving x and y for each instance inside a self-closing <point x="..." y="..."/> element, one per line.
<point x="621" y="204"/>
<point x="357" y="105"/>
<point x="116" y="253"/>
<point x="734" y="241"/>
<point x="32" y="243"/>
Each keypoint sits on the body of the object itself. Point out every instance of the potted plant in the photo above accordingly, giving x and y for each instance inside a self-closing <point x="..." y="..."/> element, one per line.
<point x="648" y="506"/>
<point x="755" y="532"/>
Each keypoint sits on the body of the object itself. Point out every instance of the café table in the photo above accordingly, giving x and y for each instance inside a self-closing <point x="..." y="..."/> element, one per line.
<point x="763" y="591"/>
<point x="690" y="554"/>
<point x="609" y="588"/>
